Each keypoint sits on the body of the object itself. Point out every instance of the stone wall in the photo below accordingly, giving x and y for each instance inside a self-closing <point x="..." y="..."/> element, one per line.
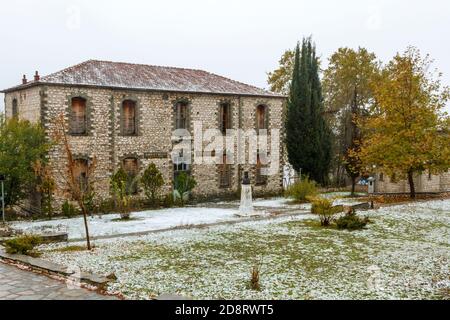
<point x="445" y="181"/>
<point x="422" y="182"/>
<point x="28" y="103"/>
<point x="153" y="141"/>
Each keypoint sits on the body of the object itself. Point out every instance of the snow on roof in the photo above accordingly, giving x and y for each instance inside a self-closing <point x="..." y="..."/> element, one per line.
<point x="146" y="77"/>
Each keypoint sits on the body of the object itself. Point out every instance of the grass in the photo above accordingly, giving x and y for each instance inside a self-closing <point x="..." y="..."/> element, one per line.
<point x="70" y="249"/>
<point x="408" y="246"/>
<point x="125" y="220"/>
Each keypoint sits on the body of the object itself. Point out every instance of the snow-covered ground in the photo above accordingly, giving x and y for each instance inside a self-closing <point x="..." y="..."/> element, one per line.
<point x="403" y="254"/>
<point x="111" y="225"/>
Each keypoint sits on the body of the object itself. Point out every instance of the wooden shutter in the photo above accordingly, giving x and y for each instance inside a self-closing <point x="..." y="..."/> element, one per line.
<point x="181" y="116"/>
<point x="225" y="173"/>
<point x="260" y="178"/>
<point x="15" y="110"/>
<point x="129" y="117"/>
<point x="225" y="117"/>
<point x="261" y="117"/>
<point x="130" y="165"/>
<point x="80" y="172"/>
<point x="78" y="117"/>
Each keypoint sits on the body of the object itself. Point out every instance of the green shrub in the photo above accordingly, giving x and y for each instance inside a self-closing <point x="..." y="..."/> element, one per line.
<point x="121" y="191"/>
<point x="168" y="201"/>
<point x="351" y="222"/>
<point x="106" y="206"/>
<point x="184" y="184"/>
<point x="152" y="181"/>
<point x="300" y="191"/>
<point x="23" y="245"/>
<point x="324" y="208"/>
<point x="68" y="209"/>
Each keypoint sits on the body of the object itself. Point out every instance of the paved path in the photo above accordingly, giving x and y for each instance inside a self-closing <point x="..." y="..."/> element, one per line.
<point x="17" y="284"/>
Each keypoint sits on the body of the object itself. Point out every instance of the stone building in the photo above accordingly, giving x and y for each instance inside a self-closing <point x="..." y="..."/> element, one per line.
<point x="124" y="115"/>
<point x="423" y="183"/>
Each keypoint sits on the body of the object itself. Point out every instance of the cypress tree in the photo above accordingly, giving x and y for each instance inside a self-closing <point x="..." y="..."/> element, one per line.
<point x="308" y="137"/>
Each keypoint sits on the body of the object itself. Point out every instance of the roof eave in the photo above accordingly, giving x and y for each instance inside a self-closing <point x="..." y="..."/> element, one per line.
<point x="37" y="83"/>
<point x="21" y="87"/>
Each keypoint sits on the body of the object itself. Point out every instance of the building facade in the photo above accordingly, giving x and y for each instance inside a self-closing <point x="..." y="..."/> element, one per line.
<point x="423" y="183"/>
<point x="125" y="115"/>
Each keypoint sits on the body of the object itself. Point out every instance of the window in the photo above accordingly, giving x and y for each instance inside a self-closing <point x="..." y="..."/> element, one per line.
<point x="261" y="117"/>
<point x="181" y="116"/>
<point x="225" y="117"/>
<point x="224" y="173"/>
<point x="130" y="166"/>
<point x="430" y="177"/>
<point x="129" y="118"/>
<point x="260" y="177"/>
<point x="381" y="177"/>
<point x="78" y="119"/>
<point x="180" y="164"/>
<point x="80" y="173"/>
<point x="15" y="109"/>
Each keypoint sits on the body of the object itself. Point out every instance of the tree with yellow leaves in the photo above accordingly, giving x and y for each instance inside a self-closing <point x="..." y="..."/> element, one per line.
<point x="280" y="79"/>
<point x="408" y="130"/>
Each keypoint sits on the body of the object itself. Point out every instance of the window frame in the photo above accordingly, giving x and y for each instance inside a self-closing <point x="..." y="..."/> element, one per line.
<point x="225" y="123"/>
<point x="15" y="109"/>
<point x="260" y="179"/>
<point x="131" y="176"/>
<point x="82" y="162"/>
<point x="225" y="172"/>
<point x="182" y="108"/>
<point x="75" y="121"/>
<point x="123" y="126"/>
<point x="262" y="109"/>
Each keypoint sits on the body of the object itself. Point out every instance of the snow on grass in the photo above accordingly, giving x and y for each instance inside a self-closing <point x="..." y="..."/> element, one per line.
<point x="140" y="222"/>
<point x="145" y="221"/>
<point x="403" y="254"/>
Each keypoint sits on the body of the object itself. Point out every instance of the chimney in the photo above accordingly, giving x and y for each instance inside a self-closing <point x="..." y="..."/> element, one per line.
<point x="24" y="79"/>
<point x="37" y="77"/>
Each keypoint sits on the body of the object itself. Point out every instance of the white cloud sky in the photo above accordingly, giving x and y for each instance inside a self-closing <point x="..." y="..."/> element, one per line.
<point x="239" y="39"/>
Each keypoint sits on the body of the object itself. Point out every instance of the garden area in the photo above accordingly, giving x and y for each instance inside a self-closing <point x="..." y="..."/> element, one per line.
<point x="402" y="253"/>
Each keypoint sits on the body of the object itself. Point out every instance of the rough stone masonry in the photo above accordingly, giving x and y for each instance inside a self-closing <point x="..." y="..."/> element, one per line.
<point x="107" y="89"/>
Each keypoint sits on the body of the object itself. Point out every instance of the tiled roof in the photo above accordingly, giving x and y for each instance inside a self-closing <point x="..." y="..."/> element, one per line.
<point x="146" y="77"/>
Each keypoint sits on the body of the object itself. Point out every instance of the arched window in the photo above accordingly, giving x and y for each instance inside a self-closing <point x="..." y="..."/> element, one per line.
<point x="225" y="117"/>
<point x="261" y="117"/>
<point x="130" y="165"/>
<point x="15" y="108"/>
<point x="78" y="119"/>
<point x="129" y="118"/>
<point x="224" y="173"/>
<point x="80" y="172"/>
<point x="181" y="115"/>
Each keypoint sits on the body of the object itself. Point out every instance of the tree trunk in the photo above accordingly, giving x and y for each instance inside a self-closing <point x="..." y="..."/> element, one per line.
<point x="353" y="185"/>
<point x="411" y="184"/>
<point x="88" y="240"/>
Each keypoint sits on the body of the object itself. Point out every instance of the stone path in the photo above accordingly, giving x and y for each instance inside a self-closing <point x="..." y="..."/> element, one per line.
<point x="17" y="284"/>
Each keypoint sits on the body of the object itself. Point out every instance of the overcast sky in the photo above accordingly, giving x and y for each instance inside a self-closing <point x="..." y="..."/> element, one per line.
<point x="239" y="39"/>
